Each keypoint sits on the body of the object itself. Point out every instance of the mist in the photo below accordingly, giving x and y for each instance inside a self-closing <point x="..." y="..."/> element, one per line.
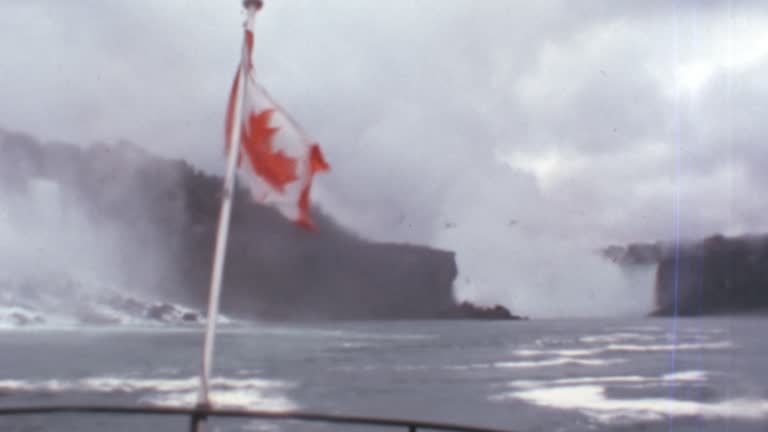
<point x="62" y="254"/>
<point x="53" y="231"/>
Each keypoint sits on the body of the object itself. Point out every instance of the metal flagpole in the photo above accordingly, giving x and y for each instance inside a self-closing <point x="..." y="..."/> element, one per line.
<point x="251" y="6"/>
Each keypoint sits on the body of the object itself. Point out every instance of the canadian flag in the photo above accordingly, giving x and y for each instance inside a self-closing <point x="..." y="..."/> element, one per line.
<point x="277" y="159"/>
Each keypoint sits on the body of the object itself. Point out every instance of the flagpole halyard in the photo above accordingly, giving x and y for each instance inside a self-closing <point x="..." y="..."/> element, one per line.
<point x="217" y="272"/>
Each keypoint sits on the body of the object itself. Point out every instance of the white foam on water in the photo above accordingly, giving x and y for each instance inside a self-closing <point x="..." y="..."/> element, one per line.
<point x="617" y="337"/>
<point x="52" y="386"/>
<point x="624" y="347"/>
<point x="670" y="347"/>
<point x="691" y="375"/>
<point x="229" y="398"/>
<point x="683" y="376"/>
<point x="587" y="395"/>
<point x="562" y="352"/>
<point x="114" y="384"/>
<point x="247" y="392"/>
<point x="558" y="362"/>
<point x="126" y="384"/>
<point x="591" y="401"/>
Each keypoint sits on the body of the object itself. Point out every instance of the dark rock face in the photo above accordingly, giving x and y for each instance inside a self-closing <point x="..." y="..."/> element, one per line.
<point x="717" y="275"/>
<point x="274" y="269"/>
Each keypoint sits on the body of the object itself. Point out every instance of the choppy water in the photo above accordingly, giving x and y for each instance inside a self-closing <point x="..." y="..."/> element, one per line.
<point x="552" y="375"/>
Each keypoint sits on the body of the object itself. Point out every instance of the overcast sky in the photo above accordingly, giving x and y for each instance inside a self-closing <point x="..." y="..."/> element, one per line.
<point x="522" y="135"/>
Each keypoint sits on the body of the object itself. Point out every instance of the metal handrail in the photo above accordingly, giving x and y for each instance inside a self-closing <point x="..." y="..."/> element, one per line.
<point x="198" y="413"/>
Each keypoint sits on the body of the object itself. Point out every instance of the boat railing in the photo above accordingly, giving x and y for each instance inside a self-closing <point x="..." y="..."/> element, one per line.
<point x="200" y="413"/>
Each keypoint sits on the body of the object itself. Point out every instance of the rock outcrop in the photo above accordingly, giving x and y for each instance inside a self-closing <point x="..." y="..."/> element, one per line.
<point x="717" y="275"/>
<point x="274" y="269"/>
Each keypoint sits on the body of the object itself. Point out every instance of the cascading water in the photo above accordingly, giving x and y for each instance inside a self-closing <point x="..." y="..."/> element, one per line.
<point x="58" y="267"/>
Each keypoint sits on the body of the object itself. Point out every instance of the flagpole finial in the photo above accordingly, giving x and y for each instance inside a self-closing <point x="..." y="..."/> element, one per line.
<point x="255" y="4"/>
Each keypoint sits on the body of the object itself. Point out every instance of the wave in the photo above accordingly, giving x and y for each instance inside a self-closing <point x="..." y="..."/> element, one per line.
<point x="589" y="396"/>
<point x="240" y="392"/>
<point x="617" y="337"/>
<point x="691" y="375"/>
<point x="559" y="362"/>
<point x="684" y="376"/>
<point x="671" y="347"/>
<point x="618" y="348"/>
<point x="592" y="401"/>
<point x="561" y="352"/>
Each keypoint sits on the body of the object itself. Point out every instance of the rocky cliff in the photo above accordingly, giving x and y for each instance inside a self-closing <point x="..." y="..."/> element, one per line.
<point x="274" y="269"/>
<point x="717" y="275"/>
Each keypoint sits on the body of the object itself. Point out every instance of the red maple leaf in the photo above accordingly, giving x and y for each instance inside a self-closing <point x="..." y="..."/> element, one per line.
<point x="317" y="164"/>
<point x="274" y="167"/>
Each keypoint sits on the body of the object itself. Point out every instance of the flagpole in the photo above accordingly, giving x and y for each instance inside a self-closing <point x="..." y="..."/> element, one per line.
<point x="251" y="6"/>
